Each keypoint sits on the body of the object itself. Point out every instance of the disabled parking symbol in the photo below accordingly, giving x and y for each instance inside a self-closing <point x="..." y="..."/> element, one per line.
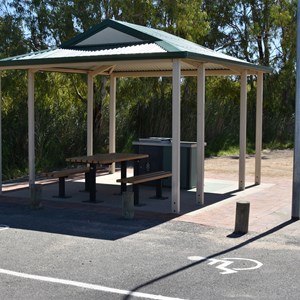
<point x="230" y="265"/>
<point x="3" y="227"/>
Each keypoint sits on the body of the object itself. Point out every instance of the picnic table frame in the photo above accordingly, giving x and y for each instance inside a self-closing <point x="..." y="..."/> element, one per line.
<point x="107" y="159"/>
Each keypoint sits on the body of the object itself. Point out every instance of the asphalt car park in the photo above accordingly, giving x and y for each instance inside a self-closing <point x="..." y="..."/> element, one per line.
<point x="59" y="253"/>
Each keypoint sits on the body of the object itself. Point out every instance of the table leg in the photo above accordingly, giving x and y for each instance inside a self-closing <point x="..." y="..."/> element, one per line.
<point x="136" y="194"/>
<point x="61" y="186"/>
<point x="136" y="167"/>
<point x="123" y="175"/>
<point x="86" y="182"/>
<point x="136" y="188"/>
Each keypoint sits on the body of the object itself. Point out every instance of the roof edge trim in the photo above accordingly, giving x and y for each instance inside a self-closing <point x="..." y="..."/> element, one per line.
<point x="29" y="63"/>
<point x="226" y="62"/>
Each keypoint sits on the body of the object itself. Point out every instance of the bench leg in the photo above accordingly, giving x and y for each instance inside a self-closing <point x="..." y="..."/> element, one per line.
<point x="158" y="194"/>
<point x="158" y="188"/>
<point x="123" y="175"/>
<point x="61" y="188"/>
<point x="136" y="192"/>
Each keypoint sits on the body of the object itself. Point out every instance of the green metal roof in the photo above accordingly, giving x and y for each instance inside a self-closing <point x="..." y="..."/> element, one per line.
<point x="115" y="41"/>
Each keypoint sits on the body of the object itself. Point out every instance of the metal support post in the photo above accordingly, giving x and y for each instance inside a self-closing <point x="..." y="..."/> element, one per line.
<point x="296" y="174"/>
<point x="243" y="131"/>
<point x="200" y="133"/>
<point x="258" y="136"/>
<point x="176" y="80"/>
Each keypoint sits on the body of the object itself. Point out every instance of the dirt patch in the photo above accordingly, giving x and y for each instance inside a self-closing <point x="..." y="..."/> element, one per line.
<point x="276" y="163"/>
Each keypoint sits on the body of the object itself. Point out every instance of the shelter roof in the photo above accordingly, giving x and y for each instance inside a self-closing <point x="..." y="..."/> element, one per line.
<point x="127" y="49"/>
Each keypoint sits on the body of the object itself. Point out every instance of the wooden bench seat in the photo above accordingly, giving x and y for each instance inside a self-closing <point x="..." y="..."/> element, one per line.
<point x="63" y="174"/>
<point x="67" y="172"/>
<point x="153" y="176"/>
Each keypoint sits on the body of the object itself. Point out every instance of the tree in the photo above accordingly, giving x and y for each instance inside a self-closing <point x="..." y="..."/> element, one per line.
<point x="261" y="31"/>
<point x="12" y="40"/>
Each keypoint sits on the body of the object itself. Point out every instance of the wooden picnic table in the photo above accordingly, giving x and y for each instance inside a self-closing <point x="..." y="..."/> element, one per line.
<point x="107" y="159"/>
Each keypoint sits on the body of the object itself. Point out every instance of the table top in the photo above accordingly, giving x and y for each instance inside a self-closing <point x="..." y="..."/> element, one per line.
<point x="107" y="158"/>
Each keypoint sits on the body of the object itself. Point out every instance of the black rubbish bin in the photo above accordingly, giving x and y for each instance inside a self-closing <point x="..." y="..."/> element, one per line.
<point x="160" y="158"/>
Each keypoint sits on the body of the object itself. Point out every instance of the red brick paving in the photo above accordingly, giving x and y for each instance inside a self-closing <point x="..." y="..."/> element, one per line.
<point x="270" y="205"/>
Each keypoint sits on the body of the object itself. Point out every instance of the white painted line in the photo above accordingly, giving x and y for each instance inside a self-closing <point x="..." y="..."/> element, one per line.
<point x="86" y="285"/>
<point x="3" y="227"/>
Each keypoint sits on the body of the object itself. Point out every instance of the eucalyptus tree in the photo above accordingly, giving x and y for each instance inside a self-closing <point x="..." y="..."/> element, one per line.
<point x="14" y="124"/>
<point x="259" y="31"/>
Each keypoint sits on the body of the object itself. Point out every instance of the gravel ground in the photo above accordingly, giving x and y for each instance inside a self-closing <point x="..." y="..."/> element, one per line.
<point x="275" y="163"/>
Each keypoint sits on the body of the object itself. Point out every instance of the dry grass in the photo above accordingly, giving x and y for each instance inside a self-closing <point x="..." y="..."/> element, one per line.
<point x="277" y="163"/>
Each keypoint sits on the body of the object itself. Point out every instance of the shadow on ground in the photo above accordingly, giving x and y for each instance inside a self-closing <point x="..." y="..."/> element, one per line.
<point x="71" y="216"/>
<point x="208" y="258"/>
<point x="75" y="222"/>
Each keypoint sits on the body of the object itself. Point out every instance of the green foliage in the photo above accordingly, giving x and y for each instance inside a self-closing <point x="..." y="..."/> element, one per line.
<point x="14" y="123"/>
<point x="222" y="113"/>
<point x="60" y="119"/>
<point x="259" y="31"/>
<point x="184" y="18"/>
<point x="144" y="108"/>
<point x="11" y="37"/>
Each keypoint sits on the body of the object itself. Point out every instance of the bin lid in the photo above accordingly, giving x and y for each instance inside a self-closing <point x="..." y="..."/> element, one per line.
<point x="156" y="140"/>
<point x="161" y="141"/>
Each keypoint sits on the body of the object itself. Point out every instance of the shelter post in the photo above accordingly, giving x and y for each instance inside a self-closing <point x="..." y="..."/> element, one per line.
<point x="176" y="80"/>
<point x="243" y="131"/>
<point x="200" y="133"/>
<point x="90" y="112"/>
<point x="31" y="141"/>
<point x="258" y="136"/>
<point x="296" y="169"/>
<point x="0" y="133"/>
<point x="112" y="119"/>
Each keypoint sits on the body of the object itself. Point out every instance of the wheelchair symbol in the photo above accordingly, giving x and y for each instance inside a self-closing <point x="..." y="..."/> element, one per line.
<point x="3" y="227"/>
<point x="224" y="263"/>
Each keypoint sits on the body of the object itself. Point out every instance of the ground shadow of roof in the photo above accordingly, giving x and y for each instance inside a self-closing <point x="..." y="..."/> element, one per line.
<point x="72" y="221"/>
<point x="103" y="220"/>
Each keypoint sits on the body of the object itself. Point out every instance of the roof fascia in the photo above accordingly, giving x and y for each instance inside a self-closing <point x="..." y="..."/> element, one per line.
<point x="167" y="73"/>
<point x="229" y="63"/>
<point x="26" y="54"/>
<point x="198" y="63"/>
<point x="112" y="58"/>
